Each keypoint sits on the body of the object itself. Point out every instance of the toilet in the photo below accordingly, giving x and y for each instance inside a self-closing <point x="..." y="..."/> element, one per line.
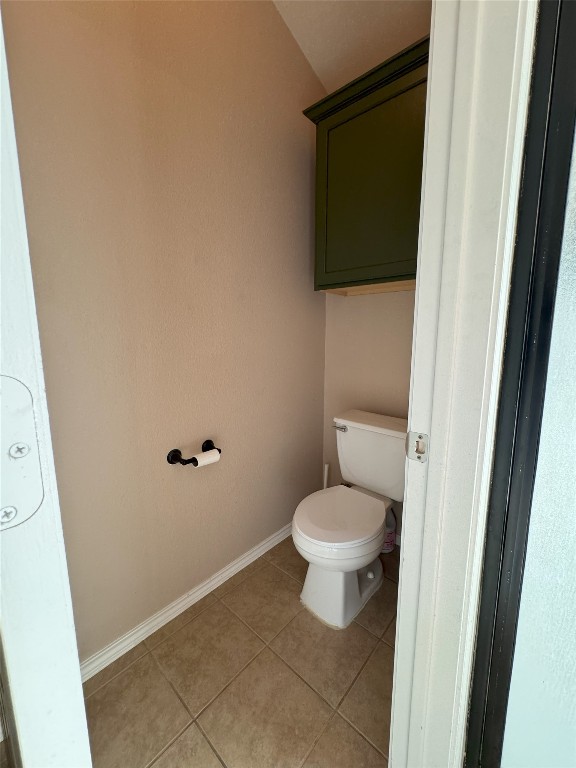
<point x="340" y="530"/>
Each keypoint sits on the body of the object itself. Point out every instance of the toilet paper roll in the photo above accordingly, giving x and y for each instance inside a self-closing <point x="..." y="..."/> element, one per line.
<point x="206" y="457"/>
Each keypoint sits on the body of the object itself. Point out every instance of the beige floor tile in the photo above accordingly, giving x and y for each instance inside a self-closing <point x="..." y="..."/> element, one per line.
<point x="238" y="578"/>
<point x="183" y="618"/>
<point x="266" y="601"/>
<point x="267" y="718"/>
<point x="133" y="717"/>
<point x="328" y="659"/>
<point x="203" y="656"/>
<point x="340" y="746"/>
<point x="367" y="705"/>
<point x="379" y="610"/>
<point x="286" y="557"/>
<point x="390" y="634"/>
<point x="191" y="750"/>
<point x="106" y="674"/>
<point x="391" y="563"/>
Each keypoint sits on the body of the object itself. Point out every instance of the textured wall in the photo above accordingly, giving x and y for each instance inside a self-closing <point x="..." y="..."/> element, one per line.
<point x="343" y="40"/>
<point x="368" y="355"/>
<point x="541" y="716"/>
<point x="167" y="175"/>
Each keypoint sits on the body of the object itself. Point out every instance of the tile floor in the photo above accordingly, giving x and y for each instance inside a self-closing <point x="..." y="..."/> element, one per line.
<point x="247" y="678"/>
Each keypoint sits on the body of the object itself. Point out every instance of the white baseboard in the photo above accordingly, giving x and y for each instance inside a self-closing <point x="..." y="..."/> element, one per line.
<point x="111" y="652"/>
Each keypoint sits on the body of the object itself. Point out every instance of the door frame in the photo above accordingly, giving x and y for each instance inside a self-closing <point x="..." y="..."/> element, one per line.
<point x="40" y="671"/>
<point x="546" y="172"/>
<point x="478" y="91"/>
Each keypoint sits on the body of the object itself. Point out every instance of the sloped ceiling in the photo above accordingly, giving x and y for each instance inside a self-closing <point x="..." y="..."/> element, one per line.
<point x="342" y="39"/>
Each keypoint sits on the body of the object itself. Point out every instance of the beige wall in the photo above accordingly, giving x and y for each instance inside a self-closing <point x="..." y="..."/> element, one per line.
<point x="167" y="174"/>
<point x="368" y="354"/>
<point x="343" y="40"/>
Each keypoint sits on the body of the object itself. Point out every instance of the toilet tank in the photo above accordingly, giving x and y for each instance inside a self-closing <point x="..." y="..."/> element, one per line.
<point x="372" y="453"/>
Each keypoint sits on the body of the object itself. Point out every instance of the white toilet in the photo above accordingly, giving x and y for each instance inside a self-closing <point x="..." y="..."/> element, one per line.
<point x="340" y="530"/>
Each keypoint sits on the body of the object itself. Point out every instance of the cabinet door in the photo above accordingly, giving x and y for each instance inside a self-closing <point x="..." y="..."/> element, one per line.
<point x="369" y="175"/>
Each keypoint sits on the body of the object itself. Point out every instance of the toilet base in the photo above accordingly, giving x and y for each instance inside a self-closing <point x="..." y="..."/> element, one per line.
<point x="337" y="597"/>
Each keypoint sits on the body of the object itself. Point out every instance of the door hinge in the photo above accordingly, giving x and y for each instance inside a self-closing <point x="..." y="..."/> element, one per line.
<point x="22" y="490"/>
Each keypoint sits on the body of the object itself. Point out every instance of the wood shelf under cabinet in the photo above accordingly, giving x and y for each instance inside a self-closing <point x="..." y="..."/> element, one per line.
<point x="362" y="290"/>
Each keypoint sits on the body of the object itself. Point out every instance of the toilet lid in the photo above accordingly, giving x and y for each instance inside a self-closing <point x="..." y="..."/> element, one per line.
<point x="341" y="516"/>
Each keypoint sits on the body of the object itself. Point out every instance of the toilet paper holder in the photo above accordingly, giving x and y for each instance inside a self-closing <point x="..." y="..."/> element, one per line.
<point x="175" y="455"/>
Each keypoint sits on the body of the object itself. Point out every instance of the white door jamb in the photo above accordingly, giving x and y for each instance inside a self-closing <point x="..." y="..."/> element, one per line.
<point x="478" y="90"/>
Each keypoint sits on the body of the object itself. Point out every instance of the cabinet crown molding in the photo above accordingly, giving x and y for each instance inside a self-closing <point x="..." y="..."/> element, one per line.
<point x="401" y="64"/>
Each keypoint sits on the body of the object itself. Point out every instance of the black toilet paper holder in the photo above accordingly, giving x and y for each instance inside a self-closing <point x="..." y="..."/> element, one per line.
<point x="175" y="455"/>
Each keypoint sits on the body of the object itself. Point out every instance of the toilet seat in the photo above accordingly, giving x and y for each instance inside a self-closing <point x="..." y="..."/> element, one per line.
<point x="339" y="518"/>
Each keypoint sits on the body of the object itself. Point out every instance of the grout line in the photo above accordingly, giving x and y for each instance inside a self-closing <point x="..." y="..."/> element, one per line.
<point x="298" y="612"/>
<point x="241" y="620"/>
<point x="247" y="576"/>
<point x="354" y="726"/>
<point x="267" y="644"/>
<point x="110" y="653"/>
<point x="167" y="747"/>
<point x="218" y="755"/>
<point x="263" y="639"/>
<point x="370" y="632"/>
<point x="229" y="683"/>
<point x="302" y="608"/>
<point x="334" y="715"/>
<point x="390" y="622"/>
<point x="279" y="568"/>
<point x="149" y="650"/>
<point x="252" y="630"/>
<point x="196" y="615"/>
<point x="393" y="643"/>
<point x="120" y="672"/>
<point x="274" y="565"/>
<point x="322" y="732"/>
<point x="335" y="709"/>
<point x="332" y="707"/>
<point x="347" y="691"/>
<point x="171" y="684"/>
<point x="363" y="735"/>
<point x="195" y="717"/>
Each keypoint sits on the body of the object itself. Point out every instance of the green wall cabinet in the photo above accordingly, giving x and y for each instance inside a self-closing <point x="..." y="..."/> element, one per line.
<point x="369" y="147"/>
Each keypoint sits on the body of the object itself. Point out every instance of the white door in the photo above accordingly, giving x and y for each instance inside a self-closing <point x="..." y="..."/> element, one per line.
<point x="40" y="670"/>
<point x="478" y="88"/>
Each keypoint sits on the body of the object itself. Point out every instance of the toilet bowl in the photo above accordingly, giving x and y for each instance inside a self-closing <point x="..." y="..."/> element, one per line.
<point x="340" y="530"/>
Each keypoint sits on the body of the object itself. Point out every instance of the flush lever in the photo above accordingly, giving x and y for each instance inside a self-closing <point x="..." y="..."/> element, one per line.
<point x="417" y="446"/>
<point x="340" y="427"/>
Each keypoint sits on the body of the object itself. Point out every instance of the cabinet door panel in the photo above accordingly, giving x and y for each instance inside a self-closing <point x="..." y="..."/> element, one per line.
<point x="369" y="176"/>
<point x="373" y="191"/>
